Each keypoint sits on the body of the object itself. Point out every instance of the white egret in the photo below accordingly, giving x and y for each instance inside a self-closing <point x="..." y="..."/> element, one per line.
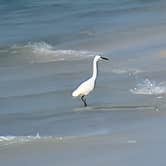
<point x="87" y="86"/>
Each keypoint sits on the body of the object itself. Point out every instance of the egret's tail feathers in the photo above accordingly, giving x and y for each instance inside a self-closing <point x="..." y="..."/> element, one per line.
<point x="75" y="94"/>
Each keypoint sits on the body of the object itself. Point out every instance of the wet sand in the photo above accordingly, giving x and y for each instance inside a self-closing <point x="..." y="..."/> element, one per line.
<point x="140" y="144"/>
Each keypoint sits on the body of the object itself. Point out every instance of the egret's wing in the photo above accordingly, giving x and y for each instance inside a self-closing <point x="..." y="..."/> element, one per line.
<point x="85" y="88"/>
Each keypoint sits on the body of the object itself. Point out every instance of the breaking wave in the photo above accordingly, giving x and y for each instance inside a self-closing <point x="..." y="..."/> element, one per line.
<point x="148" y="87"/>
<point x="42" y="52"/>
<point x="48" y="52"/>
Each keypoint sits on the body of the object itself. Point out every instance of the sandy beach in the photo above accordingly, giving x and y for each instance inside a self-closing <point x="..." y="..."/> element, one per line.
<point x="141" y="143"/>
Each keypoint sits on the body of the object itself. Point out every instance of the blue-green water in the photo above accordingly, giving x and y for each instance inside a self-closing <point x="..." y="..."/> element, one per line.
<point x="46" y="50"/>
<point x="67" y="22"/>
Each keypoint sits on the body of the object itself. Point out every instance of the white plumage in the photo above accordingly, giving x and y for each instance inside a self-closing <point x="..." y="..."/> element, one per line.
<point x="87" y="86"/>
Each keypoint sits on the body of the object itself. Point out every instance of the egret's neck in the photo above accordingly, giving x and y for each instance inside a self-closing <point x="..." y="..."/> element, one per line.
<point x="94" y="69"/>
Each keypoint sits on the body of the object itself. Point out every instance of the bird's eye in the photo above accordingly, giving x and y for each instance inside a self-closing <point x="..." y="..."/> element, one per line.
<point x="104" y="58"/>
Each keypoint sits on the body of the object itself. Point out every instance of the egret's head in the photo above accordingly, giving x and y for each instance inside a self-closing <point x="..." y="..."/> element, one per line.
<point x="97" y="58"/>
<point x="104" y="58"/>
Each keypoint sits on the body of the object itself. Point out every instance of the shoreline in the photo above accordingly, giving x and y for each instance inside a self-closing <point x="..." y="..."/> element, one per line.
<point x="144" y="144"/>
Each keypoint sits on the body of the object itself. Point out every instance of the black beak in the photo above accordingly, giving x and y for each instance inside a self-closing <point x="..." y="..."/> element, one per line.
<point x="104" y="58"/>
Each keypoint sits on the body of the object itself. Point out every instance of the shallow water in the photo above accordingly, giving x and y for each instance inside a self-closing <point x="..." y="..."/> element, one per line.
<point x="46" y="50"/>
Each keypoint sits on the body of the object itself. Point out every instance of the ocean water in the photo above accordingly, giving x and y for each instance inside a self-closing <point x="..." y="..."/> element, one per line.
<point x="46" y="50"/>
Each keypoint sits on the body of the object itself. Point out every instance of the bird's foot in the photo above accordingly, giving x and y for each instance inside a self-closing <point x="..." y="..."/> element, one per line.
<point x="85" y="105"/>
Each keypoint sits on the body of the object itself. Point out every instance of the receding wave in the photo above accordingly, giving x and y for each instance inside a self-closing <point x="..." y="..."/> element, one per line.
<point x="8" y="140"/>
<point x="148" y="87"/>
<point x="41" y="52"/>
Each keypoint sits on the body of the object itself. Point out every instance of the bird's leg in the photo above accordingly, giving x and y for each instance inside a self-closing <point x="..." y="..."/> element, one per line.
<point x="84" y="101"/>
<point x="85" y="104"/>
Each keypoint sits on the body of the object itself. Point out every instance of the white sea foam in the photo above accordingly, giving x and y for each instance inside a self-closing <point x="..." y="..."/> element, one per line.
<point x="129" y="71"/>
<point x="148" y="87"/>
<point x="44" y="52"/>
<point x="16" y="139"/>
<point x="7" y="140"/>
